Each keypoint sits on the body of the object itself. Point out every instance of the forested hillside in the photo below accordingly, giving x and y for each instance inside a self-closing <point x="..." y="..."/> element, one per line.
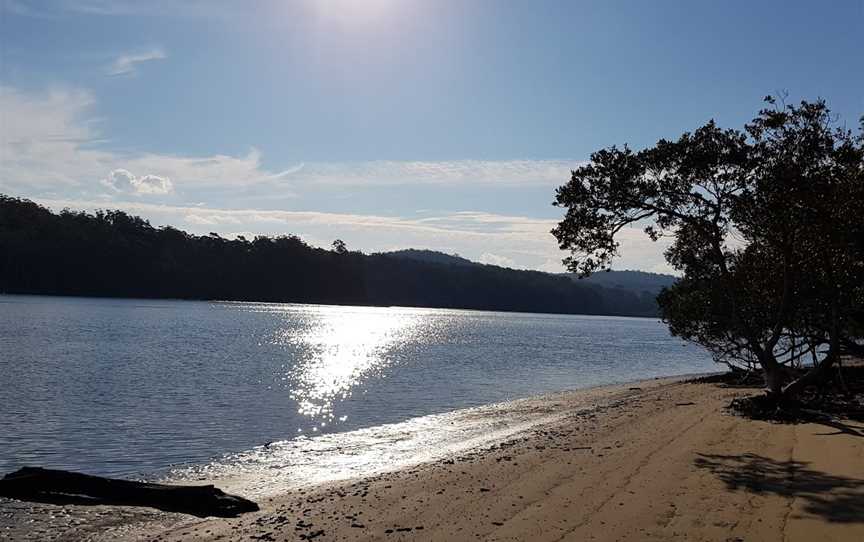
<point x="112" y="253"/>
<point x="637" y="281"/>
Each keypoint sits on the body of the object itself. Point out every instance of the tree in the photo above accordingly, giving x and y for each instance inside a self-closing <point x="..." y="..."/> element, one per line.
<point x="766" y="227"/>
<point x="339" y="247"/>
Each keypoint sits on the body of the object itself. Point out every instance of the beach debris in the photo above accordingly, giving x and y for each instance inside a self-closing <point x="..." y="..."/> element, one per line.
<point x="688" y="403"/>
<point x="62" y="487"/>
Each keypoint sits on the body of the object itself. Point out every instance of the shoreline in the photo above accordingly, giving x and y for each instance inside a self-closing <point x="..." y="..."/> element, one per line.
<point x="240" y="302"/>
<point x="369" y="451"/>
<point x="648" y="460"/>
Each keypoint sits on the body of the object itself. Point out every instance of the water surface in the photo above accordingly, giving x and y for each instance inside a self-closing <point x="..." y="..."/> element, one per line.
<point x="136" y="387"/>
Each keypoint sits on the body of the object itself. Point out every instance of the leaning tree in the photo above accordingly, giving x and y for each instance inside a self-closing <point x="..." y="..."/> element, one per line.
<point x="766" y="228"/>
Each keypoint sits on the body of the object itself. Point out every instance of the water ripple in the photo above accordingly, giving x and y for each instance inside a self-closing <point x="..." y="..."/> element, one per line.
<point x="136" y="387"/>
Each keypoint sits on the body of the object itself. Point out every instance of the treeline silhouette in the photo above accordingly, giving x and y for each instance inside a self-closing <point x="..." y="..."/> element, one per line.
<point x="111" y="253"/>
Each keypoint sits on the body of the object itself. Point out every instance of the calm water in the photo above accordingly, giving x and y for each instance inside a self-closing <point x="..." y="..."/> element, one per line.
<point x="128" y="387"/>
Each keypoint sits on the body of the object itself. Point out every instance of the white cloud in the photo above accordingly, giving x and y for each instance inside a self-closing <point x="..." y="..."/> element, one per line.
<point x="51" y="140"/>
<point x="45" y="137"/>
<point x="50" y="144"/>
<point x="122" y="180"/>
<point x="217" y="170"/>
<point x="385" y="172"/>
<point x="127" y="64"/>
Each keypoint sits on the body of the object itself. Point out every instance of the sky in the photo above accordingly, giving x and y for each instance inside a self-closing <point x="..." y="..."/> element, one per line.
<point x="436" y="124"/>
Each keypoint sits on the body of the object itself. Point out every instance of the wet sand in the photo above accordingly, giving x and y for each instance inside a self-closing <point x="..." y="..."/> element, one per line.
<point x="658" y="460"/>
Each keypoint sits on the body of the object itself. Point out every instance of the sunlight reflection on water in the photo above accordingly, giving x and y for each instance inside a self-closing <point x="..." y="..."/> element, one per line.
<point x="307" y="461"/>
<point x="340" y="349"/>
<point x="138" y="387"/>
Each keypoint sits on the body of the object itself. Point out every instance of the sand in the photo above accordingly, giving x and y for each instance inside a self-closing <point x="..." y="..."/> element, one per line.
<point x="664" y="461"/>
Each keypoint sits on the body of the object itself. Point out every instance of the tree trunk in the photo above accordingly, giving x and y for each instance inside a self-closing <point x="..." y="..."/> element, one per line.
<point x="795" y="387"/>
<point x="774" y="379"/>
<point x="774" y="374"/>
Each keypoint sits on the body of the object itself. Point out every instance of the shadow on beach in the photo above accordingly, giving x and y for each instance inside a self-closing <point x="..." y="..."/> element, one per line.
<point x="835" y="498"/>
<point x="836" y="401"/>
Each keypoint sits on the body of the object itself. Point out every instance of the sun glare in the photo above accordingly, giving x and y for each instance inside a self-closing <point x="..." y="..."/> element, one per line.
<point x="345" y="347"/>
<point x="356" y="12"/>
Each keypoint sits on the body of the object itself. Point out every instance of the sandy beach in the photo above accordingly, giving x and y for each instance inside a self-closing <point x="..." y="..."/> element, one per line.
<point x="657" y="460"/>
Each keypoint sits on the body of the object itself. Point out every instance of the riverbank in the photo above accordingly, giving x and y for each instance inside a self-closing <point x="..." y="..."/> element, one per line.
<point x="659" y="460"/>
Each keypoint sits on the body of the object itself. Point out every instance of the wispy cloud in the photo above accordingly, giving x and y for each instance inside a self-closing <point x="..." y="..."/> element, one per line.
<point x="22" y="8"/>
<point x="50" y="151"/>
<point x="127" y="64"/>
<point x="52" y="140"/>
<point x="386" y="172"/>
<point x="50" y="143"/>
<point x="122" y="8"/>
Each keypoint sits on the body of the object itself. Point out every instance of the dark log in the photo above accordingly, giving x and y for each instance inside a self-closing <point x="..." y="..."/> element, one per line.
<point x="64" y="487"/>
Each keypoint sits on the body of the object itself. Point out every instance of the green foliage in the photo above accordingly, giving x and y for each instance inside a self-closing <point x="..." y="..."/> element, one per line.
<point x="766" y="226"/>
<point x="339" y="247"/>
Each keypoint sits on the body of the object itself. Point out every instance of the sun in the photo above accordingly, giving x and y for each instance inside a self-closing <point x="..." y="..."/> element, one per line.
<point x="357" y="12"/>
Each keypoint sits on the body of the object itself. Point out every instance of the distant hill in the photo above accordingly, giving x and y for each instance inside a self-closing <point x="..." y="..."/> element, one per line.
<point x="622" y="292"/>
<point x="430" y="256"/>
<point x="635" y="281"/>
<point x="114" y="254"/>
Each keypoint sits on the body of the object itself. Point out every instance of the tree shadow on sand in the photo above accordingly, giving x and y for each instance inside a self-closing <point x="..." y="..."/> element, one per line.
<point x="835" y="498"/>
<point x="837" y="402"/>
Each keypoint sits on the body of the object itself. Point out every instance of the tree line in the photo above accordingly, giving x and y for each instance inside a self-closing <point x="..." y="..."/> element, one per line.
<point x="115" y="254"/>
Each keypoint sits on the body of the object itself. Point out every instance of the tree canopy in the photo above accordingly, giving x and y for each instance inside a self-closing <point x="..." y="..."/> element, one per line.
<point x="767" y="230"/>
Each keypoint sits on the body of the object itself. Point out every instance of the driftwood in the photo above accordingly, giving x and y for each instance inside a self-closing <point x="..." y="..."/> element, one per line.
<point x="64" y="487"/>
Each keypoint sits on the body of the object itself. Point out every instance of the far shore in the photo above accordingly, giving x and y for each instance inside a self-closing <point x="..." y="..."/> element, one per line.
<point x="654" y="460"/>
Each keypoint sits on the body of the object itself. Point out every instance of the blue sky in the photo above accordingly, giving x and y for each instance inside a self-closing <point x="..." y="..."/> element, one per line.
<point x="438" y="124"/>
